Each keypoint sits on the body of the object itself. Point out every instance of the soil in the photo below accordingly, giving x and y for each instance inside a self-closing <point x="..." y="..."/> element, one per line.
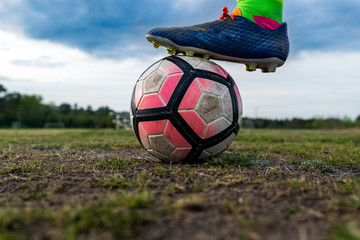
<point x="193" y="201"/>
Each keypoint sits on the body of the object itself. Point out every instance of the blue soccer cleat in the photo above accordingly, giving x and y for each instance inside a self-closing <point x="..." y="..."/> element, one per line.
<point x="232" y="38"/>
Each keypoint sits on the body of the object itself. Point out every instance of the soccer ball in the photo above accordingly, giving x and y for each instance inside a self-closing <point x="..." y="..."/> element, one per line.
<point x="185" y="109"/>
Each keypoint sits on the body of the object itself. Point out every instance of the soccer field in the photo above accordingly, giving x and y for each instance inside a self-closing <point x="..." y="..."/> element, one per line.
<point x="101" y="184"/>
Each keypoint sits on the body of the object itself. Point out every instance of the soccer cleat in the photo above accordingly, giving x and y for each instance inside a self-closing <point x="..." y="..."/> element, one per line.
<point x="231" y="38"/>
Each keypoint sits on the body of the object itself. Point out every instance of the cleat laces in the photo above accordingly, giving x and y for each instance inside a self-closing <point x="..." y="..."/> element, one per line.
<point x="226" y="14"/>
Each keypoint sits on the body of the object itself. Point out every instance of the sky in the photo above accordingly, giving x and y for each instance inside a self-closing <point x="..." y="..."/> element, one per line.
<point x="91" y="52"/>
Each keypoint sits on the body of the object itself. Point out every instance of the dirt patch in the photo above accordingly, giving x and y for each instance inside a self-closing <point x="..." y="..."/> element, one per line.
<point x="72" y="184"/>
<point x="216" y="200"/>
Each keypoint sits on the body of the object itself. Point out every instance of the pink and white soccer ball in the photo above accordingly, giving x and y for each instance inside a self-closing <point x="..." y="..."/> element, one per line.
<point x="185" y="109"/>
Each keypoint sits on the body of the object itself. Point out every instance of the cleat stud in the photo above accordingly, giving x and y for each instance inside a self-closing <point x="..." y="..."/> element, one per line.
<point x="155" y="44"/>
<point x="206" y="57"/>
<point x="171" y="51"/>
<point x="190" y="53"/>
<point x="270" y="68"/>
<point x="251" y="67"/>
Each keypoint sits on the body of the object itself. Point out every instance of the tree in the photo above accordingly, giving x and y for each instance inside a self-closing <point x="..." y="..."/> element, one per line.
<point x="2" y="89"/>
<point x="65" y="108"/>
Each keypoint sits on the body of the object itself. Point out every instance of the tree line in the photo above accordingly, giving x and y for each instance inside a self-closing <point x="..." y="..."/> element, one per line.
<point x="297" y="123"/>
<point x="29" y="111"/>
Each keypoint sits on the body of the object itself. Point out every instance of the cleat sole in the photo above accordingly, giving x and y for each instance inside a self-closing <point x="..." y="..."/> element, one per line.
<point x="266" y="65"/>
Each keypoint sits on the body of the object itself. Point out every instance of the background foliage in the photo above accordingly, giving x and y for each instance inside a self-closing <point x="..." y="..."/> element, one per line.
<point x="29" y="111"/>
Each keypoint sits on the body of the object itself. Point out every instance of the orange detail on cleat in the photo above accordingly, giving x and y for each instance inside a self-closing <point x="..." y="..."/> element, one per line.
<point x="226" y="14"/>
<point x="236" y="12"/>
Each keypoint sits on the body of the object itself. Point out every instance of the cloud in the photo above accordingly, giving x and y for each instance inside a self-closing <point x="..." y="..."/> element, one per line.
<point x="311" y="84"/>
<point x="92" y="52"/>
<point x="40" y="62"/>
<point x="5" y="79"/>
<point x="191" y="6"/>
<point x="4" y="4"/>
<point x="108" y="28"/>
<point x="80" y="78"/>
<point x="326" y="25"/>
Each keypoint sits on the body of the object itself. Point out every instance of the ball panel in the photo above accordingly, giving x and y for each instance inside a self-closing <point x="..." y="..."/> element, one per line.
<point x="228" y="111"/>
<point x="225" y="73"/>
<point x="239" y="102"/>
<point x="220" y="147"/>
<point x="193" y="61"/>
<point x="175" y="137"/>
<point x="205" y="155"/>
<point x="154" y="81"/>
<point x="159" y="155"/>
<point x="150" y="70"/>
<point x="216" y="127"/>
<point x="151" y="101"/>
<point x="211" y="67"/>
<point x="132" y="123"/>
<point x="209" y="107"/>
<point x="138" y="93"/>
<point x="169" y="68"/>
<point x="191" y="97"/>
<point x="211" y="86"/>
<point x="153" y="127"/>
<point x="194" y="121"/>
<point x="231" y="139"/>
<point x="179" y="154"/>
<point x="169" y="86"/>
<point x="161" y="144"/>
<point x="144" y="137"/>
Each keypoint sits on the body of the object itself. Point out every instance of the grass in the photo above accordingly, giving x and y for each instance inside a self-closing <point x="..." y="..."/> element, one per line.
<point x="122" y="215"/>
<point x="55" y="140"/>
<point x="317" y="164"/>
<point x="113" y="163"/>
<point x="347" y="231"/>
<point x="101" y="184"/>
<point x="238" y="160"/>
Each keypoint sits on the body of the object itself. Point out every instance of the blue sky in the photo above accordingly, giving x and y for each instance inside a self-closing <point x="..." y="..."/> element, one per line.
<point x="99" y="26"/>
<point x="107" y="39"/>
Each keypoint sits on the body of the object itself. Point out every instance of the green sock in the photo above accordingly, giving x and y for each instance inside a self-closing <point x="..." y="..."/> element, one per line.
<point x="264" y="9"/>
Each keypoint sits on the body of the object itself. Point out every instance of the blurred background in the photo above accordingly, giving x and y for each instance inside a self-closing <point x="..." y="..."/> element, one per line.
<point x="75" y="62"/>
